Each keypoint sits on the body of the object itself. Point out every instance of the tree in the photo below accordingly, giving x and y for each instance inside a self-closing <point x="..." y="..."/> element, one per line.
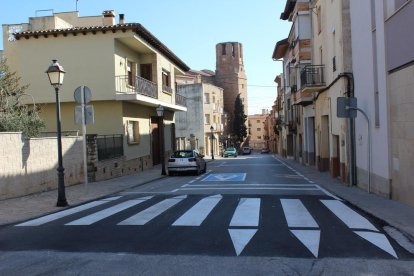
<point x="239" y="122"/>
<point x="14" y="115"/>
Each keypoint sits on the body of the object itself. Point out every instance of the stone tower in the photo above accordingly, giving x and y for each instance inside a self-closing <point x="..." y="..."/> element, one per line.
<point x="230" y="76"/>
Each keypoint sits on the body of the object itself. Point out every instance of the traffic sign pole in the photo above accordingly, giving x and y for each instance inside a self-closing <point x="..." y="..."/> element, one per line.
<point x="85" y="165"/>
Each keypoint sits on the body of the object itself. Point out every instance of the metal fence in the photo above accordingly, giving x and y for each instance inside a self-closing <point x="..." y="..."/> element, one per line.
<point x="109" y="146"/>
<point x="312" y="75"/>
<point x="137" y="85"/>
<point x="180" y="99"/>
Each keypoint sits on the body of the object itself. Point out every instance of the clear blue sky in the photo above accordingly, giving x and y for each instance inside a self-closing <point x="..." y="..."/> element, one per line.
<point x="191" y="29"/>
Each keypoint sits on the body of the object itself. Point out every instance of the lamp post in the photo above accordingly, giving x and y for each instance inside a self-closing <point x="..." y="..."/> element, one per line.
<point x="212" y="138"/>
<point x="56" y="73"/>
<point x="160" y="113"/>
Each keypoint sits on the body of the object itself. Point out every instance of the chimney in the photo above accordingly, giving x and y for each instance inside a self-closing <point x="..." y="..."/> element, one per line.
<point x="108" y="18"/>
<point x="121" y="18"/>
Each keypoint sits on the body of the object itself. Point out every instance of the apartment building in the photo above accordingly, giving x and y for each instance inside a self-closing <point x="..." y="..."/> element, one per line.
<point x="257" y="130"/>
<point x="128" y="70"/>
<point x="201" y="127"/>
<point x="383" y="66"/>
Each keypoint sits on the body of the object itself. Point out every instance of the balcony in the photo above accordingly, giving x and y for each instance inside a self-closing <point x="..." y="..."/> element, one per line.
<point x="167" y="89"/>
<point x="312" y="76"/>
<point x="180" y="100"/>
<point x="312" y="80"/>
<point x="138" y="85"/>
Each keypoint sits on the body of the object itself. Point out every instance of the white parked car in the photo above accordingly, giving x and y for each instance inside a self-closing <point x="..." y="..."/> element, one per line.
<point x="186" y="161"/>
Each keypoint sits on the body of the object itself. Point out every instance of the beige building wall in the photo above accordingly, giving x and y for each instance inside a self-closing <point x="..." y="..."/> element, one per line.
<point x="29" y="165"/>
<point x="401" y="87"/>
<point x="257" y="131"/>
<point x="95" y="57"/>
<point x="331" y="41"/>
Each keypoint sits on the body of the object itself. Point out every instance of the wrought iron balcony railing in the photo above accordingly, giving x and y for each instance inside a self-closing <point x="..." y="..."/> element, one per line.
<point x="125" y="84"/>
<point x="180" y="100"/>
<point x="312" y="75"/>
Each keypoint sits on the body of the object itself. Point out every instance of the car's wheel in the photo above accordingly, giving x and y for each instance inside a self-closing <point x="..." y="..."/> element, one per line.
<point x="170" y="174"/>
<point x="197" y="172"/>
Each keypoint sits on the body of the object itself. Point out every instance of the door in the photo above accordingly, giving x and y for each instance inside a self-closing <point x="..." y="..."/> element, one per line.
<point x="156" y="145"/>
<point x="146" y="71"/>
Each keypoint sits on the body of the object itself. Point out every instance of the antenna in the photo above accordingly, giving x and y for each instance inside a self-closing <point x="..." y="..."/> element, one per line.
<point x="76" y="5"/>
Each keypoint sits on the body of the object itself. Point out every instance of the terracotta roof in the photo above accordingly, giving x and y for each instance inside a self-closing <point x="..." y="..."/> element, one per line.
<point x="136" y="27"/>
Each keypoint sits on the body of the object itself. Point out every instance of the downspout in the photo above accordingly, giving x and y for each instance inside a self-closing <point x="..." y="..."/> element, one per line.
<point x="350" y="94"/>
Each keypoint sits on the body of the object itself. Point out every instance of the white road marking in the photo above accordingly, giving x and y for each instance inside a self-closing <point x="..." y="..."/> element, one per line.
<point x="198" y="213"/>
<point x="150" y="213"/>
<point x="252" y="184"/>
<point x="88" y="220"/>
<point x="247" y="213"/>
<point x="226" y="177"/>
<point x="61" y="214"/>
<point x="112" y="198"/>
<point x="310" y="239"/>
<point x="240" y="238"/>
<point x="296" y="214"/>
<point x="251" y="188"/>
<point x="348" y="216"/>
<point x="326" y="192"/>
<point x="378" y="240"/>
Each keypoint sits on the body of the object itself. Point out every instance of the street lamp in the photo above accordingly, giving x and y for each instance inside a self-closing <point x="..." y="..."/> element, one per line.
<point x="56" y="73"/>
<point x="160" y="113"/>
<point x="212" y="137"/>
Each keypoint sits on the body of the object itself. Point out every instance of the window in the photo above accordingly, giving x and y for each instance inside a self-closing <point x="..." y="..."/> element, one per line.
<point x="259" y="137"/>
<point x="258" y="121"/>
<point x="207" y="119"/>
<point x="259" y="129"/>
<point x="165" y="78"/>
<point x="166" y="81"/>
<point x="131" y="72"/>
<point x="133" y="132"/>
<point x="206" y="98"/>
<point x="223" y="49"/>
<point x="233" y="50"/>
<point x="214" y="99"/>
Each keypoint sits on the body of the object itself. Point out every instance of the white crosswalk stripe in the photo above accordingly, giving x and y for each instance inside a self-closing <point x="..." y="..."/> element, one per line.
<point x="88" y="220"/>
<point x="62" y="214"/>
<point x="198" y="213"/>
<point x="351" y="218"/>
<point x="243" y="225"/>
<point x="147" y="215"/>
<point x="296" y="214"/>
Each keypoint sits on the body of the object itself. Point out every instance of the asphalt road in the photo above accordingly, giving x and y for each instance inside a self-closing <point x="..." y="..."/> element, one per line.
<point x="249" y="206"/>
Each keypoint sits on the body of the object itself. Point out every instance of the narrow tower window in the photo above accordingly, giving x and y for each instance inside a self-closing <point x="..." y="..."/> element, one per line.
<point x="223" y="49"/>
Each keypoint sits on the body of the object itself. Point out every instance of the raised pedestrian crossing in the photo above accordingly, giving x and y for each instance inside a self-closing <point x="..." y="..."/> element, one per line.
<point x="243" y="216"/>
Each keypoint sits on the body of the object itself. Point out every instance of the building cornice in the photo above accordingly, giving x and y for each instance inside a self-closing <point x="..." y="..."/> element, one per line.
<point x="135" y="27"/>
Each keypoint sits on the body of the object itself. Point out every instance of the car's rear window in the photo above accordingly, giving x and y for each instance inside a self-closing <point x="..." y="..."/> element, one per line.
<point x="183" y="154"/>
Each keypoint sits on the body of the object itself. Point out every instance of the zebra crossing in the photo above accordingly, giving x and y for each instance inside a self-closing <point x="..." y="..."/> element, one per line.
<point x="246" y="218"/>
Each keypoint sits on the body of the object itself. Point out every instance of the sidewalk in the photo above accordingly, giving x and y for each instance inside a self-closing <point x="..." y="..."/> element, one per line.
<point x="22" y="208"/>
<point x="395" y="214"/>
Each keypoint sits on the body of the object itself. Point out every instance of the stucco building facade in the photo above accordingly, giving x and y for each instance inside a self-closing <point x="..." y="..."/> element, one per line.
<point x="129" y="71"/>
